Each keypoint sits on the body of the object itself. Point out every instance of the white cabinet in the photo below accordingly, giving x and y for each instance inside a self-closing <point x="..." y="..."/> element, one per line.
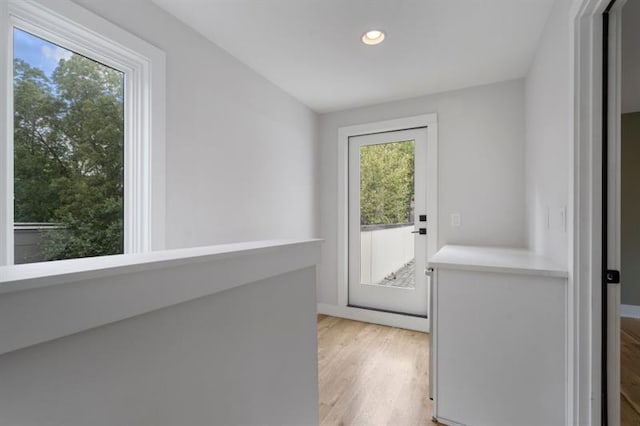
<point x="498" y="338"/>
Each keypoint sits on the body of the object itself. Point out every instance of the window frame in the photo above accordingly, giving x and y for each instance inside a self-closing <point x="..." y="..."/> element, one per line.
<point x="79" y="30"/>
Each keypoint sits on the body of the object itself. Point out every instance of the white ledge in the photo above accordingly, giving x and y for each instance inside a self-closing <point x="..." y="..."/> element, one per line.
<point x="45" y="301"/>
<point x="495" y="259"/>
<point x="43" y="274"/>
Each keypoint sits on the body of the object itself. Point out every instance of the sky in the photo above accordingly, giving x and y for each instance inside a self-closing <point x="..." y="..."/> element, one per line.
<point x="37" y="52"/>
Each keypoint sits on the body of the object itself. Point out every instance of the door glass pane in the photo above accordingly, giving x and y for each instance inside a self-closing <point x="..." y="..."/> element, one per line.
<point x="387" y="214"/>
<point x="68" y="153"/>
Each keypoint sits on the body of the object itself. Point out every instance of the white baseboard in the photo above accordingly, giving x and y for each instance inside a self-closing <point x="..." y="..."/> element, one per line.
<point x="375" y="317"/>
<point x="630" y="311"/>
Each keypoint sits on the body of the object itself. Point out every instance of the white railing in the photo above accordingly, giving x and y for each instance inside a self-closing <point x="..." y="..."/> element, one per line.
<point x="383" y="251"/>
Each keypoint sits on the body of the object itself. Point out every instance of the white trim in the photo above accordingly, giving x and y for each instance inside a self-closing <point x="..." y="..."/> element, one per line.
<point x="375" y="317"/>
<point x="6" y="151"/>
<point x="428" y="120"/>
<point x="630" y="311"/>
<point x="67" y="24"/>
<point x="584" y="290"/>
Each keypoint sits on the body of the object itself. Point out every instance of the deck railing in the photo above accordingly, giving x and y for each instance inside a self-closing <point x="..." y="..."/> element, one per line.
<point x="384" y="249"/>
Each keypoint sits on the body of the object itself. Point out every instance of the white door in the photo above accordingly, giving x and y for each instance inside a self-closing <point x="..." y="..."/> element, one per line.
<point x="387" y="211"/>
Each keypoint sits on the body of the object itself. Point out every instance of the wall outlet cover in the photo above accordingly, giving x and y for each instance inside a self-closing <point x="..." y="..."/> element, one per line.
<point x="455" y="220"/>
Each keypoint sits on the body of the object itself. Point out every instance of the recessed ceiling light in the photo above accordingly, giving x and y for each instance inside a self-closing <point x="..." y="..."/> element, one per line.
<point x="373" y="37"/>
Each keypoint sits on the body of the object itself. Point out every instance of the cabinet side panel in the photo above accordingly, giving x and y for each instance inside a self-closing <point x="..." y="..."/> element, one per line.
<point x="500" y="348"/>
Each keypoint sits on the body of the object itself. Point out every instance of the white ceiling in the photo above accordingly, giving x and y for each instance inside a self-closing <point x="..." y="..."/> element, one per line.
<point x="312" y="48"/>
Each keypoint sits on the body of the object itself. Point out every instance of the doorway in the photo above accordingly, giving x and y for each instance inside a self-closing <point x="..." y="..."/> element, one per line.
<point x="388" y="221"/>
<point x="620" y="212"/>
<point x="629" y="215"/>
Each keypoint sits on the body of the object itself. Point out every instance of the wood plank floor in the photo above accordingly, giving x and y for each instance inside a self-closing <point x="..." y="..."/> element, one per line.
<point x="630" y="371"/>
<point x="372" y="375"/>
<point x="376" y="375"/>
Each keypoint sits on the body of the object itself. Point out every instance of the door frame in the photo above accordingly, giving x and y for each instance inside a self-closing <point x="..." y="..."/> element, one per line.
<point x="612" y="209"/>
<point x="586" y="390"/>
<point x="430" y="121"/>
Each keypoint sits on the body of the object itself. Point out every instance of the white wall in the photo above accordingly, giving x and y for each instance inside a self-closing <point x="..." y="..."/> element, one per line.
<point x="241" y="153"/>
<point x="630" y="147"/>
<point x="247" y="355"/>
<point x="548" y="143"/>
<point x="630" y="209"/>
<point x="481" y="161"/>
<point x="630" y="57"/>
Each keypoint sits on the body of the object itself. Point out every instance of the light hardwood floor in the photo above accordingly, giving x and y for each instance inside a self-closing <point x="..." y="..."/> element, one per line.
<point x="372" y="375"/>
<point x="376" y="375"/>
<point x="630" y="371"/>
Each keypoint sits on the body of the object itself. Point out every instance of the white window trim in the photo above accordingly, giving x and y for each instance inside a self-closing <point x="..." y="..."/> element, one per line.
<point x="75" y="28"/>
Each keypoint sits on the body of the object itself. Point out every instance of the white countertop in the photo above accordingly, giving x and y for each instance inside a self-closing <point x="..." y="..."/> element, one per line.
<point x="495" y="259"/>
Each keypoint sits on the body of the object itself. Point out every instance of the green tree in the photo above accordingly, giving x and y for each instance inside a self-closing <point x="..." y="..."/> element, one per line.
<point x="40" y="159"/>
<point x="386" y="183"/>
<point x="69" y="164"/>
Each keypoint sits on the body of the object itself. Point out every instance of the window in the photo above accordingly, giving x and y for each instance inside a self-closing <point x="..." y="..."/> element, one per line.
<point x="68" y="153"/>
<point x="85" y="146"/>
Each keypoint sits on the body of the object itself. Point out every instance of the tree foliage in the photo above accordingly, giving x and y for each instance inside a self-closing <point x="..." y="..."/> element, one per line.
<point x="69" y="155"/>
<point x="386" y="183"/>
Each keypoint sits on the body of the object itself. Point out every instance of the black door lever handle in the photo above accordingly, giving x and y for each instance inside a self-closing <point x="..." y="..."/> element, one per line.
<point x="421" y="231"/>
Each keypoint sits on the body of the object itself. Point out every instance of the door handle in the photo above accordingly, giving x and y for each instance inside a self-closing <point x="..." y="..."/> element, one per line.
<point x="421" y="231"/>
